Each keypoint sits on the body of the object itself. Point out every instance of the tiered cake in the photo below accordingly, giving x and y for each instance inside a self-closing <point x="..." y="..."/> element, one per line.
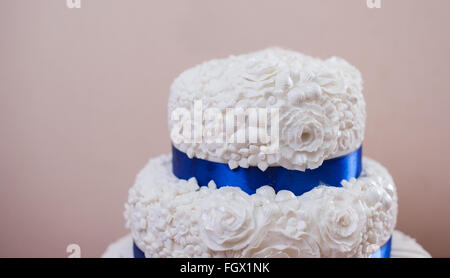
<point x="304" y="192"/>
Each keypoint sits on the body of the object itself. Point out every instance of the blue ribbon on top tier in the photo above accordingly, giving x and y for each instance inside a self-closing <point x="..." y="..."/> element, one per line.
<point x="330" y="173"/>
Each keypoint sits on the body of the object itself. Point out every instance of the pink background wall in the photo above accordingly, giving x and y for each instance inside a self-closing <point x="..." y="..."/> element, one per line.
<point x="83" y="97"/>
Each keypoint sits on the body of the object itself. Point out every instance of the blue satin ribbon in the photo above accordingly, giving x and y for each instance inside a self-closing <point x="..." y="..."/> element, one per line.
<point x="330" y="173"/>
<point x="383" y="252"/>
<point x="138" y="254"/>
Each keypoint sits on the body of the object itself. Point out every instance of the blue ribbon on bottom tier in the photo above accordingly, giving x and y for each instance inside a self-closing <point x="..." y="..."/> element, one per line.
<point x="330" y="173"/>
<point x="383" y="252"/>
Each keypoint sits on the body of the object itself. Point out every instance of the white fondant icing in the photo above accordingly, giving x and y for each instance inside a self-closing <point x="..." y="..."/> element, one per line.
<point x="169" y="217"/>
<point x="403" y="246"/>
<point x="322" y="110"/>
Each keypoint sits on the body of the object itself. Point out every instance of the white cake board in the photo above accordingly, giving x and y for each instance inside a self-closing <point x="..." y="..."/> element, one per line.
<point x="403" y="246"/>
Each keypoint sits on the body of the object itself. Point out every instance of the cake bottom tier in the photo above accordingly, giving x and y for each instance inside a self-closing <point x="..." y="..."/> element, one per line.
<point x="403" y="246"/>
<point x="170" y="217"/>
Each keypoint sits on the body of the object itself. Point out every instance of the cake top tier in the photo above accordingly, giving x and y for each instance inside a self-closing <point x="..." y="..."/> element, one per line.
<point x="307" y="110"/>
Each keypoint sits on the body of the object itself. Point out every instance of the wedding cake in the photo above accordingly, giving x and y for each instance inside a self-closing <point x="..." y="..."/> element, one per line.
<point x="266" y="162"/>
